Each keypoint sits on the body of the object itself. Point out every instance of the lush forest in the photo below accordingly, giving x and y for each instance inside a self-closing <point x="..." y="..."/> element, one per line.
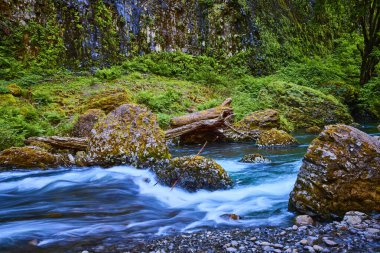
<point x="175" y="55"/>
<point x="189" y="126"/>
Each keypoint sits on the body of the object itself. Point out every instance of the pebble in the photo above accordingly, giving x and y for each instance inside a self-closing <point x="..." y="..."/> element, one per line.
<point x="295" y="227"/>
<point x="329" y="242"/>
<point x="318" y="248"/>
<point x="309" y="239"/>
<point x="373" y="230"/>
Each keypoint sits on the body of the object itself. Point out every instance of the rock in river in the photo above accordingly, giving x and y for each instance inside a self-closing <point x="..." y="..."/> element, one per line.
<point x="128" y="135"/>
<point x="340" y="172"/>
<point x="275" y="138"/>
<point x="254" y="158"/>
<point x="193" y="173"/>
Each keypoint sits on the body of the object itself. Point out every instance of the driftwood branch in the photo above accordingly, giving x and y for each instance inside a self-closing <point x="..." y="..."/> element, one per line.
<point x="212" y="113"/>
<point x="206" y="120"/>
<point x="61" y="142"/>
<point x="193" y="127"/>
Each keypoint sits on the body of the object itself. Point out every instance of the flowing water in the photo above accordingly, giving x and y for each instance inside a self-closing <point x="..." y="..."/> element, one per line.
<point x="56" y="208"/>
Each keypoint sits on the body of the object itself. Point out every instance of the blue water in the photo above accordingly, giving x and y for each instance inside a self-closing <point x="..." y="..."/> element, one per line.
<point x="54" y="208"/>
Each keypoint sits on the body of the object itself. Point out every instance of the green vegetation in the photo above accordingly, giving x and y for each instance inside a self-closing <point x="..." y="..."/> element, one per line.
<point x="301" y="59"/>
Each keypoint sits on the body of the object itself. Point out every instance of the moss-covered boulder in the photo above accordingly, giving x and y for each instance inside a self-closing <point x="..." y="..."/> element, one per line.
<point x="302" y="106"/>
<point x="128" y="135"/>
<point x="15" y="90"/>
<point x="313" y="130"/>
<point x="28" y="157"/>
<point x="275" y="138"/>
<point x="108" y="100"/>
<point x="86" y="122"/>
<point x="340" y="172"/>
<point x="254" y="158"/>
<point x="194" y="173"/>
<point x="264" y="119"/>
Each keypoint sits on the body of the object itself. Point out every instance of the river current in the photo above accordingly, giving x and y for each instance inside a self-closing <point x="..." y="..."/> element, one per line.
<point x="60" y="207"/>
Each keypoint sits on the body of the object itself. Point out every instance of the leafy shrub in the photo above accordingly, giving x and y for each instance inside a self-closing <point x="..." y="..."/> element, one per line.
<point x="209" y="104"/>
<point x="109" y="73"/>
<point x="168" y="102"/>
<point x="41" y="98"/>
<point x="369" y="99"/>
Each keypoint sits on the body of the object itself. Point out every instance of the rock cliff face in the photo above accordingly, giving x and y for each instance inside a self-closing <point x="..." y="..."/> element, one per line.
<point x="340" y="172"/>
<point x="105" y="29"/>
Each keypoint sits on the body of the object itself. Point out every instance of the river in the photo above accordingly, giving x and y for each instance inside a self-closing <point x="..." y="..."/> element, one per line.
<point x="55" y="209"/>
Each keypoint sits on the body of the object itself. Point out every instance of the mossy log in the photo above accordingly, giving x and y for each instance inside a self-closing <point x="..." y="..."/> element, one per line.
<point x="223" y="110"/>
<point x="206" y="120"/>
<point x="61" y="142"/>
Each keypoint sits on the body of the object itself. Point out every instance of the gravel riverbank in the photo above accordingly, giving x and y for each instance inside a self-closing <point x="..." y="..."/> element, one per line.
<point x="356" y="233"/>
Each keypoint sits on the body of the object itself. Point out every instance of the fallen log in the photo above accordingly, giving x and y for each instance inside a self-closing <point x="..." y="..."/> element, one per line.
<point x="202" y="125"/>
<point x="61" y="142"/>
<point x="224" y="110"/>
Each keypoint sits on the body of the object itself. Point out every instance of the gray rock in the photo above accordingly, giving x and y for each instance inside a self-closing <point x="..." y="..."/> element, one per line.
<point x="302" y="220"/>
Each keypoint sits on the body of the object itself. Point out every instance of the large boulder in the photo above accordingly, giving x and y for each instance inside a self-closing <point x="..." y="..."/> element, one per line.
<point x="128" y="135"/>
<point x="86" y="122"/>
<point x="264" y="119"/>
<point x="194" y="173"/>
<point x="275" y="138"/>
<point x="340" y="172"/>
<point x="28" y="157"/>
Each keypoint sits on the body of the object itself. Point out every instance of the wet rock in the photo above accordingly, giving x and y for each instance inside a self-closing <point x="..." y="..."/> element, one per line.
<point x="264" y="119"/>
<point x="317" y="248"/>
<point x="230" y="216"/>
<point x="276" y="138"/>
<point x="303" y="220"/>
<point x="28" y="157"/>
<point x="313" y="130"/>
<point x="330" y="243"/>
<point x="378" y="127"/>
<point x="128" y="135"/>
<point x="108" y="100"/>
<point x="354" y="218"/>
<point x="254" y="158"/>
<point x="193" y="173"/>
<point x="86" y="122"/>
<point x="340" y="172"/>
<point x="15" y="90"/>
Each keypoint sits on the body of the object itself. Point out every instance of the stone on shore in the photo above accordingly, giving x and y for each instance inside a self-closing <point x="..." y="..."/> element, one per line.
<point x="340" y="172"/>
<point x="303" y="220"/>
<point x="194" y="173"/>
<point x="128" y="135"/>
<point x="28" y="157"/>
<point x="313" y="130"/>
<point x="264" y="119"/>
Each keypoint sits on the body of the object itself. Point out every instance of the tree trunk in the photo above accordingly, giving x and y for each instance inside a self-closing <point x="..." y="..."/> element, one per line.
<point x="224" y="109"/>
<point x="61" y="142"/>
